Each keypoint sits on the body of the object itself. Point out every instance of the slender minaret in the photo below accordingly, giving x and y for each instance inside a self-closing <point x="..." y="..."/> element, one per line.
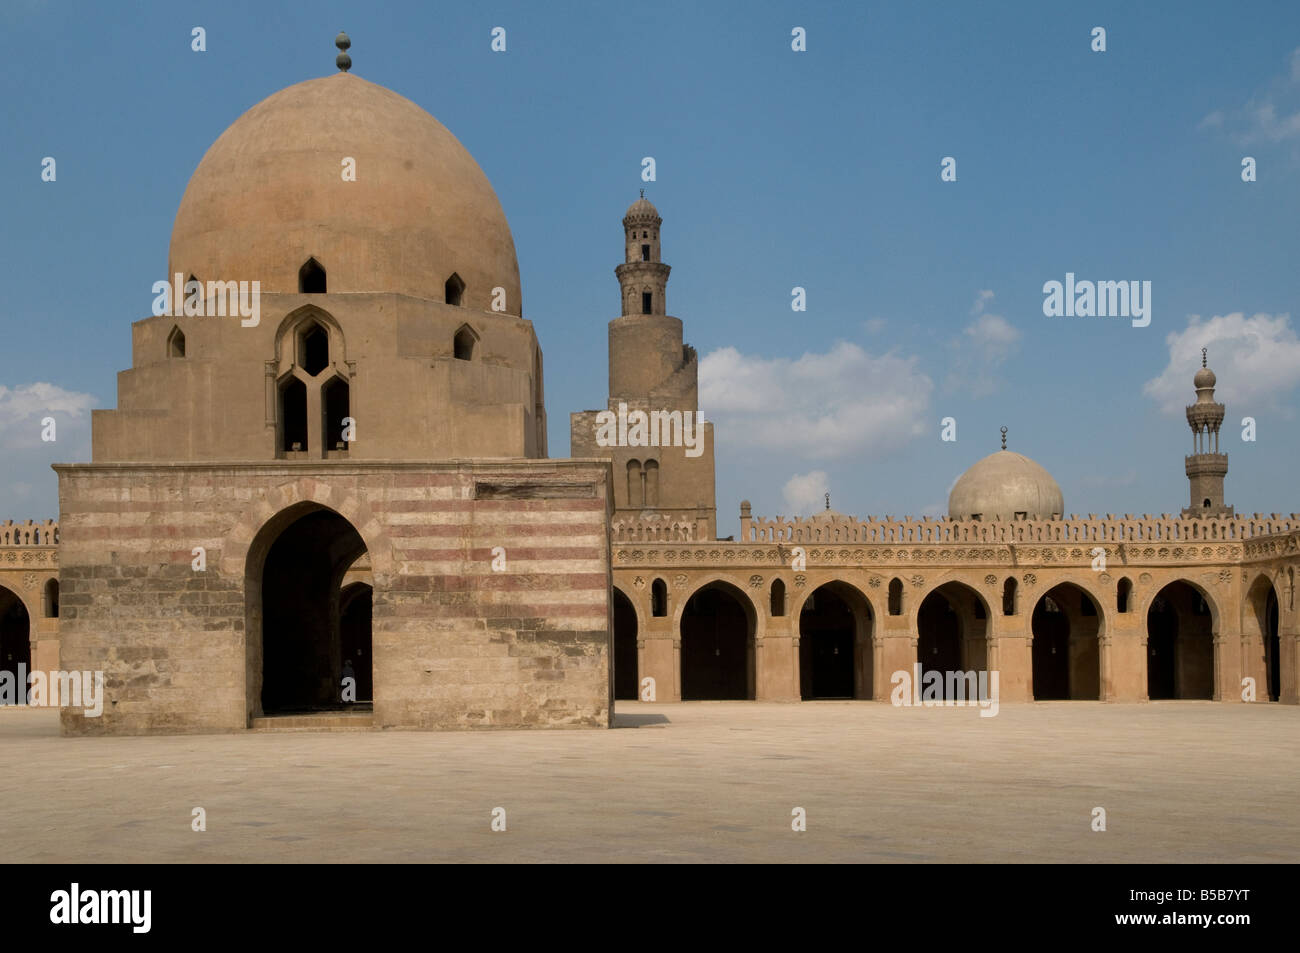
<point x="651" y="371"/>
<point x="1206" y="466"/>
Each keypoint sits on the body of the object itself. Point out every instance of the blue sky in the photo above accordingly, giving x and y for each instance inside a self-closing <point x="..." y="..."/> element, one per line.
<point x="774" y="169"/>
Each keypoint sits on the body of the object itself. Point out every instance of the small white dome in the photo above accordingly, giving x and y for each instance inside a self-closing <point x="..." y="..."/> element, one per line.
<point x="1003" y="485"/>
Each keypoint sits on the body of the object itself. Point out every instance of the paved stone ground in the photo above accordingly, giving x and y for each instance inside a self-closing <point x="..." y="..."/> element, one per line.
<point x="702" y="781"/>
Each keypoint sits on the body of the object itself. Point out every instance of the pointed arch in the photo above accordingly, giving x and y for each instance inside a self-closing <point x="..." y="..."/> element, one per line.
<point x="895" y="596"/>
<point x="454" y="290"/>
<point x="465" y="343"/>
<point x="778" y="598"/>
<point x="50" y="599"/>
<point x="176" y="342"/>
<point x="659" y="598"/>
<point x="311" y="278"/>
<point x="287" y="333"/>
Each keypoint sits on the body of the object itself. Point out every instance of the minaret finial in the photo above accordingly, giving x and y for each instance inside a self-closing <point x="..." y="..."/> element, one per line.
<point x="1004" y="438"/>
<point x="1203" y="350"/>
<point x="828" y="501"/>
<point x="343" y="61"/>
<point x="643" y="193"/>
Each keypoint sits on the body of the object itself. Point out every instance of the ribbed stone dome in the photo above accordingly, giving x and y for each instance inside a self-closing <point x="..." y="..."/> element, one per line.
<point x="641" y="211"/>
<point x="1002" y="485"/>
<point x="270" y="193"/>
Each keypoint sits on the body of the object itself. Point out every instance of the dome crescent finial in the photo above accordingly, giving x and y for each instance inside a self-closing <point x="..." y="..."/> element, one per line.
<point x="1004" y="438"/>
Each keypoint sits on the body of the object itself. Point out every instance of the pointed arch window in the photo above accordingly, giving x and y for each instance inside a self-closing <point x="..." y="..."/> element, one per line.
<point x="659" y="598"/>
<point x="293" y="415"/>
<point x="465" y="344"/>
<point x="896" y="597"/>
<point x="311" y="278"/>
<point x="313" y="348"/>
<point x="454" y="290"/>
<point x="652" y="483"/>
<point x="635" y="484"/>
<point x="335" y="398"/>
<point x="176" y="343"/>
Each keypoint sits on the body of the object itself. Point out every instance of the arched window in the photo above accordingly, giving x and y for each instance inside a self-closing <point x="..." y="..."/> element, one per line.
<point x="465" y="343"/>
<point x="176" y="343"/>
<point x="635" y="484"/>
<point x="652" y="483"/>
<point x="293" y="415"/>
<point x="659" y="598"/>
<point x="1009" y="596"/>
<point x="453" y="292"/>
<point x="896" y="597"/>
<point x="1206" y="503"/>
<point x="647" y="302"/>
<point x="313" y="348"/>
<point x="1122" y="593"/>
<point x="51" y="600"/>
<point x="311" y="278"/>
<point x="778" y="598"/>
<point x="334" y="405"/>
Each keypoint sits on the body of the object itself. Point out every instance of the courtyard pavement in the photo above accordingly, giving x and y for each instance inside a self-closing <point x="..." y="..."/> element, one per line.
<point x="697" y="781"/>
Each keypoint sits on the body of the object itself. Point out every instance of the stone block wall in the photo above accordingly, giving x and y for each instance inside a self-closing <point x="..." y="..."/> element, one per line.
<point x="456" y="644"/>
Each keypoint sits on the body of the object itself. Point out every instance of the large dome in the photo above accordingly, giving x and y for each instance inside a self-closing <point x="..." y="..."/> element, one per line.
<point x="1003" y="485"/>
<point x="270" y="193"/>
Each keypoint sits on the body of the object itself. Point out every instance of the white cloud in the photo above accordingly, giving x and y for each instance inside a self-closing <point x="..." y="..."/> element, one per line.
<point x="981" y="349"/>
<point x="806" y="493"/>
<point x="22" y="408"/>
<point x="818" y="406"/>
<point x="874" y="325"/>
<point x="1271" y="115"/>
<point x="31" y="487"/>
<point x="1256" y="361"/>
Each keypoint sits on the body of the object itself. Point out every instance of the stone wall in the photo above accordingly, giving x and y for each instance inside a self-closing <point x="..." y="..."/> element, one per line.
<point x="455" y="643"/>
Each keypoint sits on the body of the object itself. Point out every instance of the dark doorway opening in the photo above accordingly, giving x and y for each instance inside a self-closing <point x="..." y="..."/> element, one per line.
<point x="938" y="644"/>
<point x="1180" y="644"/>
<point x="1272" y="648"/>
<point x="717" y="647"/>
<point x="827" y="631"/>
<point x="15" y="641"/>
<point x="302" y="618"/>
<point x="1051" y="652"/>
<point x="625" y="667"/>
<point x="355" y="616"/>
